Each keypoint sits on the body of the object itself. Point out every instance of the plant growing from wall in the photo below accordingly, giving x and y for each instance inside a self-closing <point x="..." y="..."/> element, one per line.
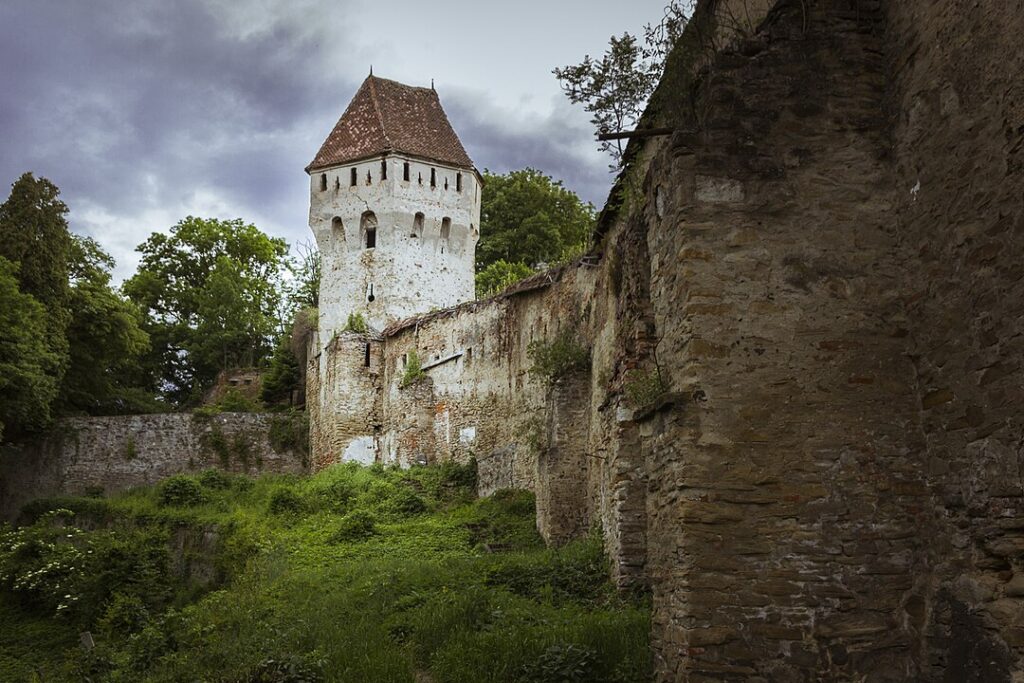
<point x="356" y="323"/>
<point x="557" y="358"/>
<point x="413" y="370"/>
<point x="643" y="388"/>
<point x="289" y="432"/>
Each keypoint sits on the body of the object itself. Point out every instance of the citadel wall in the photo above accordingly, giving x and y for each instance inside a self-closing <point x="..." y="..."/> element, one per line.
<point x="957" y="98"/>
<point x="822" y="265"/>
<point x="111" y="454"/>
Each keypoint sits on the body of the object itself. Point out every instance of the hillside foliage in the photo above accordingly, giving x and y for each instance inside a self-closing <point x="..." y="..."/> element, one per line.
<point x="354" y="574"/>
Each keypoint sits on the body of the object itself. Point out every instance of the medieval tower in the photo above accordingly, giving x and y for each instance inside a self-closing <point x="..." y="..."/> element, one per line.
<point x="395" y="208"/>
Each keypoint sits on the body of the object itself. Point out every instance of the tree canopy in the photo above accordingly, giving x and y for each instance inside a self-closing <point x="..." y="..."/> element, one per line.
<point x="614" y="88"/>
<point x="29" y="361"/>
<point x="210" y="292"/>
<point x="529" y="217"/>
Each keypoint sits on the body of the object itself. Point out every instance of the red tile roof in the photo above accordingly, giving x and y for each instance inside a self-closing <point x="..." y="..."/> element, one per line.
<point x="387" y="116"/>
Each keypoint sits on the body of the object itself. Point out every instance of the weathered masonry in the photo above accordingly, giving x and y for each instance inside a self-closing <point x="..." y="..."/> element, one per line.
<point x="801" y="422"/>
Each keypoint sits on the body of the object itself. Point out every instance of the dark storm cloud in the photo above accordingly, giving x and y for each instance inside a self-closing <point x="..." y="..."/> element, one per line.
<point x="142" y="112"/>
<point x="559" y="144"/>
<point x="129" y="106"/>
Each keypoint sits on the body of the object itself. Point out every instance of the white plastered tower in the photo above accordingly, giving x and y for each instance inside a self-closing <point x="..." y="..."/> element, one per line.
<point x="395" y="208"/>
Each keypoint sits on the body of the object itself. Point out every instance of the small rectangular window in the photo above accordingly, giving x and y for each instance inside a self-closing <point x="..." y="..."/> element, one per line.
<point x="354" y="177"/>
<point x="323" y="182"/>
<point x="405" y="171"/>
<point x="384" y="169"/>
<point x="433" y="178"/>
<point x="371" y="238"/>
<point x="366" y="357"/>
<point x="458" y="182"/>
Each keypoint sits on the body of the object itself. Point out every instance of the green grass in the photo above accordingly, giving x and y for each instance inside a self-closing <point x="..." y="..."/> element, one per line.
<point x="355" y="574"/>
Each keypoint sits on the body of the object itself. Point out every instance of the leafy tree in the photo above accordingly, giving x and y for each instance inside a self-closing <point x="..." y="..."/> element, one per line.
<point x="29" y="361"/>
<point x="210" y="292"/>
<point x="105" y="340"/>
<point x="282" y="377"/>
<point x="34" y="237"/>
<point x="499" y="275"/>
<point x="34" y="234"/>
<point x="615" y="87"/>
<point x="529" y="218"/>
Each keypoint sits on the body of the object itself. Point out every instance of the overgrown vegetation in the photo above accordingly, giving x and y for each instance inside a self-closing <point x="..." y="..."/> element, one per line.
<point x="644" y="388"/>
<point x="356" y="323"/>
<point x="558" y="357"/>
<point x="413" y="370"/>
<point x="355" y="574"/>
<point x="528" y="221"/>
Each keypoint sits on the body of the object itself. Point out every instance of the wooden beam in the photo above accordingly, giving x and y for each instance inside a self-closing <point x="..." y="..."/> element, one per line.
<point x="642" y="133"/>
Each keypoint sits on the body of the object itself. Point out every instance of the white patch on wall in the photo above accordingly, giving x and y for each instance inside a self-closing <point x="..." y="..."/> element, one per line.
<point x="360" y="449"/>
<point x="718" y="190"/>
<point x="467" y="435"/>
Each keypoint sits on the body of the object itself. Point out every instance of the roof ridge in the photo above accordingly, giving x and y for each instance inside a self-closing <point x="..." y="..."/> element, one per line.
<point x="380" y="117"/>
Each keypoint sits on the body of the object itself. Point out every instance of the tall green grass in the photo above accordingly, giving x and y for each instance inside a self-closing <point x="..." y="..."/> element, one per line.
<point x="354" y="574"/>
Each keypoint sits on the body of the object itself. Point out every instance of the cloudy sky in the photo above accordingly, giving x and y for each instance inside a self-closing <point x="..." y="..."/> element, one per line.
<point x="146" y="111"/>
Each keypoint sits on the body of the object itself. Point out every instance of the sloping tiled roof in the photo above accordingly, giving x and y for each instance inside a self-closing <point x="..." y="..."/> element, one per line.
<point x="387" y="116"/>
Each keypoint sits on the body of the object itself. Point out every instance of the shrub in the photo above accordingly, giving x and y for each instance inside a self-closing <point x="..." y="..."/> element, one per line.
<point x="124" y="615"/>
<point x="289" y="669"/>
<point x="459" y="475"/>
<point x="214" y="479"/>
<point x="356" y="323"/>
<point x="354" y="527"/>
<point x="413" y="370"/>
<point x="644" y="388"/>
<point x="561" y="664"/>
<point x="234" y="402"/>
<point x="289" y="432"/>
<point x="404" y="502"/>
<point x="179" y="491"/>
<point x="555" y="359"/>
<point x="284" y="500"/>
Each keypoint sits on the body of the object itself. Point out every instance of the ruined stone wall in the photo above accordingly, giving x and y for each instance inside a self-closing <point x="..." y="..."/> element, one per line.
<point x="478" y="398"/>
<point x="115" y="453"/>
<point x="784" y="490"/>
<point x="957" y="101"/>
<point x="343" y="399"/>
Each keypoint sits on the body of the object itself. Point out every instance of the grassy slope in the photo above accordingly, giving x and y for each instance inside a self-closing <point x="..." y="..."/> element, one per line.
<point x="355" y="574"/>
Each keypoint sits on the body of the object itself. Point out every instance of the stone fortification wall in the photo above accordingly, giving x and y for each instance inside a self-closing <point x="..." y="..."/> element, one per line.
<point x="784" y="493"/>
<point x="115" y="453"/>
<point x="478" y="398"/>
<point x="957" y="98"/>
<point x="800" y="424"/>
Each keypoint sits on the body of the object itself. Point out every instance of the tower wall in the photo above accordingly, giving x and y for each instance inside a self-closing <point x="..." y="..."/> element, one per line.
<point x="411" y="268"/>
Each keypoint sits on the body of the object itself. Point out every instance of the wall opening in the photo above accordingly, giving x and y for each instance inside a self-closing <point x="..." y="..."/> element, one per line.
<point x="417" y="224"/>
<point x="323" y="182"/>
<point x="433" y="178"/>
<point x="405" y="171"/>
<point x="337" y="229"/>
<point x="370" y="295"/>
<point x="353" y="177"/>
<point x="458" y="182"/>
<point x="368" y="226"/>
<point x="337" y="182"/>
<point x="368" y="178"/>
<point x="446" y="228"/>
<point x="419" y="178"/>
<point x="446" y="182"/>
<point x="366" y="356"/>
<point x="383" y="169"/>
